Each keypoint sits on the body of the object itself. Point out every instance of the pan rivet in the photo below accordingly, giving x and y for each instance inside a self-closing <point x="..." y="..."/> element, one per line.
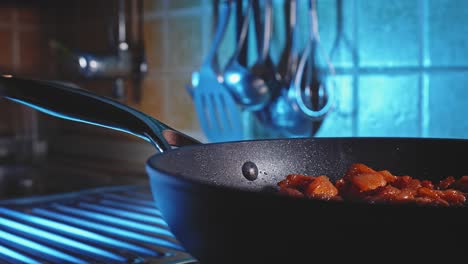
<point x="250" y="171"/>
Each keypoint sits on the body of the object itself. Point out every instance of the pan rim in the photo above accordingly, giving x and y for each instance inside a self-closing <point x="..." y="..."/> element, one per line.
<point x="184" y="182"/>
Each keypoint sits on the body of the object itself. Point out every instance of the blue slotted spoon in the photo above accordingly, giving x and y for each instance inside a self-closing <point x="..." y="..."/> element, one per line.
<point x="219" y="115"/>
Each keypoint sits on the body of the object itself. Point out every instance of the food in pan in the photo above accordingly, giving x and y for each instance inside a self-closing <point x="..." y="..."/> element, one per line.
<point x="363" y="184"/>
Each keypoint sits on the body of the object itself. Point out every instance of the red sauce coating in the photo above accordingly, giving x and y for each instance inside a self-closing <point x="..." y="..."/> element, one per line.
<point x="362" y="183"/>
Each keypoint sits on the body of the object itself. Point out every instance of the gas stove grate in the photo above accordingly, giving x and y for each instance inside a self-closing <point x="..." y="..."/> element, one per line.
<point x="106" y="225"/>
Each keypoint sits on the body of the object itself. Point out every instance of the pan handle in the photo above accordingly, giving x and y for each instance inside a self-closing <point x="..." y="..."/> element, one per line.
<point x="76" y="104"/>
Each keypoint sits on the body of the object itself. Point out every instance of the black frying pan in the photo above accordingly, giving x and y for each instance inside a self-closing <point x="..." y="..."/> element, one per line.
<point x="222" y="215"/>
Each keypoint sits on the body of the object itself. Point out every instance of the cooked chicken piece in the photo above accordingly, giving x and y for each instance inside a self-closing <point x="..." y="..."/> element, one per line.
<point x="453" y="197"/>
<point x="403" y="182"/>
<point x="296" y="181"/>
<point x="388" y="176"/>
<point x="290" y="192"/>
<point x="321" y="188"/>
<point x="446" y="183"/>
<point x="362" y="183"/>
<point x="368" y="181"/>
<point x="462" y="184"/>
<point x="357" y="168"/>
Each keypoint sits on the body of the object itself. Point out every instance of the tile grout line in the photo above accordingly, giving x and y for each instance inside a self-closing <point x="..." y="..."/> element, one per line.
<point x="181" y="12"/>
<point x="22" y="27"/>
<point x="15" y="65"/>
<point x="350" y="70"/>
<point x="167" y="50"/>
<point x="205" y="42"/>
<point x="15" y="41"/>
<point x="355" y="73"/>
<point x="27" y="125"/>
<point x="425" y="31"/>
<point x="425" y="113"/>
<point x="421" y="22"/>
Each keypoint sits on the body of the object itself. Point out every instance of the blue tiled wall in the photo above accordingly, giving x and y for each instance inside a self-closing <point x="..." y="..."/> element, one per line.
<point x="388" y="105"/>
<point x="402" y="65"/>
<point x="447" y="33"/>
<point x="410" y="73"/>
<point x="447" y="105"/>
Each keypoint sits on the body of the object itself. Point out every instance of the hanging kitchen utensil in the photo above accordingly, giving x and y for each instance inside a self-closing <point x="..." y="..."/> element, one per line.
<point x="284" y="65"/>
<point x="248" y="90"/>
<point x="312" y="88"/>
<point x="217" y="112"/>
<point x="264" y="67"/>
<point x="239" y="21"/>
<point x="284" y="113"/>
<point x="275" y="116"/>
<point x="316" y="84"/>
<point x="195" y="76"/>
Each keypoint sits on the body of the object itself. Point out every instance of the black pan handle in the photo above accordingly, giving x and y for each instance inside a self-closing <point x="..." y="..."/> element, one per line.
<point x="75" y="104"/>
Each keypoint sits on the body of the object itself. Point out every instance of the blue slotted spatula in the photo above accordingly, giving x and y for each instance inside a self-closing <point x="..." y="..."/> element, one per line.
<point x="219" y="116"/>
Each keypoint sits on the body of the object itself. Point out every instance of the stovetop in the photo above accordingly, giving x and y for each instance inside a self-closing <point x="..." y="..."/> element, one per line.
<point x="103" y="225"/>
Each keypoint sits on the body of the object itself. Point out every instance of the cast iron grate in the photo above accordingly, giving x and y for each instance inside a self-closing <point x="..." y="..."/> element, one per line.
<point x="105" y="225"/>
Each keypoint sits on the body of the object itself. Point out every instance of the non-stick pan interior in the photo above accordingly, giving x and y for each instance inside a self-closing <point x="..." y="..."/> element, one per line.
<point x="221" y="164"/>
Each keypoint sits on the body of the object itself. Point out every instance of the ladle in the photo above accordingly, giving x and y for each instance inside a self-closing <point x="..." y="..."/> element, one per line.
<point x="249" y="90"/>
<point x="285" y="114"/>
<point x="276" y="115"/>
<point x="264" y="66"/>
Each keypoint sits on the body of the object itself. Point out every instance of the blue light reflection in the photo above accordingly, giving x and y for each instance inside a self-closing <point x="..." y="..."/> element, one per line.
<point x="59" y="115"/>
<point x="108" y="229"/>
<point x="195" y="79"/>
<point x="126" y="214"/>
<point x="76" y="231"/>
<point x="12" y="255"/>
<point x="233" y="78"/>
<point x="129" y="200"/>
<point x="31" y="245"/>
<point x="112" y="220"/>
<point x="131" y="207"/>
<point x="58" y="239"/>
